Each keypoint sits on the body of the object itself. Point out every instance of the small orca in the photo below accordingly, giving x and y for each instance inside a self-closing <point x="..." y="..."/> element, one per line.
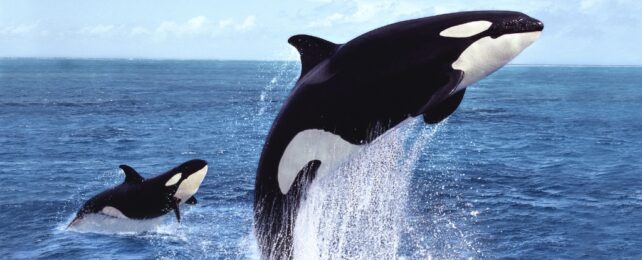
<point x="139" y="198"/>
<point x="350" y="94"/>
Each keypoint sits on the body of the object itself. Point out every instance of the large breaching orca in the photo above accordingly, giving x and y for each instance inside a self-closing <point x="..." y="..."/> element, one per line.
<point x="139" y="198"/>
<point x="350" y="94"/>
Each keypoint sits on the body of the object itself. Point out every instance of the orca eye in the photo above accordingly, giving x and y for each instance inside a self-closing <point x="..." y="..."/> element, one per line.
<point x="466" y="30"/>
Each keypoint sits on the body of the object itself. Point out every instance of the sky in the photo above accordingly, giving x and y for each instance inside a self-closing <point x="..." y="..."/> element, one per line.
<point x="589" y="32"/>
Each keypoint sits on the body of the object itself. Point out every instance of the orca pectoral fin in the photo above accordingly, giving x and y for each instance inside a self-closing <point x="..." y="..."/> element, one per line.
<point x="444" y="109"/>
<point x="191" y="201"/>
<point x="304" y="178"/>
<point x="444" y="102"/>
<point x="177" y="210"/>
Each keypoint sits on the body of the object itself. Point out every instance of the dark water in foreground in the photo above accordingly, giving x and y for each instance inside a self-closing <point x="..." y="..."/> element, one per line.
<point x="538" y="162"/>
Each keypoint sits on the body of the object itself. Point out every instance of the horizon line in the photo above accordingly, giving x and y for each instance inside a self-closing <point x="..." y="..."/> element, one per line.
<point x="281" y="60"/>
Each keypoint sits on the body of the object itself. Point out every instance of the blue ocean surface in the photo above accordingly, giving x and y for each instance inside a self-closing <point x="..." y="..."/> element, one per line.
<point x="538" y="162"/>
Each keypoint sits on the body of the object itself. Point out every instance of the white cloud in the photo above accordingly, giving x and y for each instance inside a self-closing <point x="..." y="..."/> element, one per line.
<point x="225" y="23"/>
<point x="197" y="22"/>
<point x="588" y="4"/>
<point x="194" y="26"/>
<point x="18" y="30"/>
<point x="198" y="26"/>
<point x="247" y="24"/>
<point x="368" y="11"/>
<point x="140" y="31"/>
<point x="327" y="21"/>
<point x="97" y="30"/>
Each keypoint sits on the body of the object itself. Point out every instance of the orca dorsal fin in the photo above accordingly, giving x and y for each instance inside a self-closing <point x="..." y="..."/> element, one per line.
<point x="131" y="175"/>
<point x="312" y="49"/>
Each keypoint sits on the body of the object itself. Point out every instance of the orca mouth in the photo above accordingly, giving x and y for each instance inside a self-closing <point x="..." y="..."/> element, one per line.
<point x="521" y="24"/>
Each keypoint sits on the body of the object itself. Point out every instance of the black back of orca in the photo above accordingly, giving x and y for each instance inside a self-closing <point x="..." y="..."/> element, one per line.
<point x="350" y="94"/>
<point x="139" y="198"/>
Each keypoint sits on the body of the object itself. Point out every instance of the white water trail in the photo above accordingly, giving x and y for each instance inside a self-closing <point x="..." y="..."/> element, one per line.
<point x="102" y="224"/>
<point x="359" y="211"/>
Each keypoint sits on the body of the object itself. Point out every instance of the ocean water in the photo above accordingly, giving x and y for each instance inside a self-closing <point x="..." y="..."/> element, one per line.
<point x="538" y="162"/>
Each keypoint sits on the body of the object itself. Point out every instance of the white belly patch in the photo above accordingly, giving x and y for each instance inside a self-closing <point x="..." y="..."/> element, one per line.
<point x="308" y="145"/>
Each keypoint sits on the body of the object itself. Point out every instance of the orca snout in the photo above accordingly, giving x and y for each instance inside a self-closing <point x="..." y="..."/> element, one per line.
<point x="193" y="166"/>
<point x="539" y="25"/>
<point x="519" y="24"/>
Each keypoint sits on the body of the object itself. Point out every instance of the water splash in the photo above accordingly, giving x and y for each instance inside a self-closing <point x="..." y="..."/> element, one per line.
<point x="102" y="224"/>
<point x="285" y="78"/>
<point x="359" y="211"/>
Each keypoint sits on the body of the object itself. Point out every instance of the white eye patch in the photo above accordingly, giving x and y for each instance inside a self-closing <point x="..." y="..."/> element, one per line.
<point x="174" y="179"/>
<point x="466" y="29"/>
